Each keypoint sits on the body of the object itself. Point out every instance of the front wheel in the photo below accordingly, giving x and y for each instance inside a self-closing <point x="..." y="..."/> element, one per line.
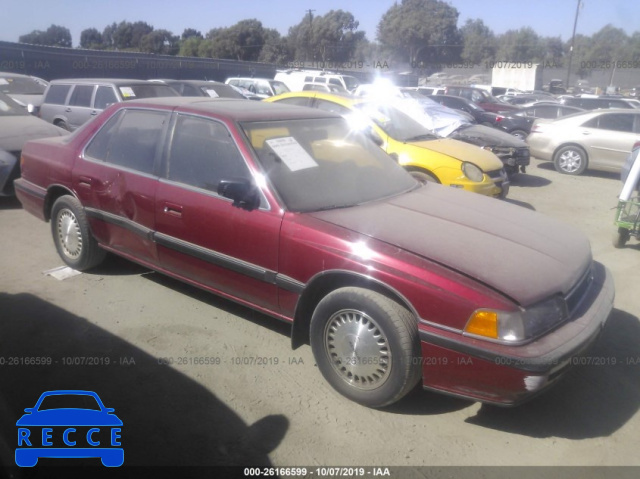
<point x="366" y="346"/>
<point x="520" y="134"/>
<point x="72" y="235"/>
<point x="570" y="160"/>
<point x="424" y="176"/>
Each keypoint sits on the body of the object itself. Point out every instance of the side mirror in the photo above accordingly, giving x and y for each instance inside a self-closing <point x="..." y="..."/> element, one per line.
<point x="243" y="192"/>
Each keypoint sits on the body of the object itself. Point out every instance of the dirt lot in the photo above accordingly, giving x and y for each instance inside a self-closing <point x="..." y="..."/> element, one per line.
<point x="237" y="394"/>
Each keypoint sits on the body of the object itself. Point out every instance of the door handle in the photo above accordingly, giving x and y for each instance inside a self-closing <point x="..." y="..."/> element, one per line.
<point x="67" y="110"/>
<point x="94" y="113"/>
<point x="172" y="209"/>
<point x="85" y="181"/>
<point x="586" y="132"/>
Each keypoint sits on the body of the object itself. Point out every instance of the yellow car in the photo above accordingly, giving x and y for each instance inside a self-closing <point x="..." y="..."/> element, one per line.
<point x="426" y="156"/>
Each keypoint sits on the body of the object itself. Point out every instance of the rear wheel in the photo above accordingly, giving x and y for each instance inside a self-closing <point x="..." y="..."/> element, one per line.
<point x="72" y="235"/>
<point x="620" y="237"/>
<point x="570" y="160"/>
<point x="62" y="124"/>
<point x="520" y="134"/>
<point x="366" y="346"/>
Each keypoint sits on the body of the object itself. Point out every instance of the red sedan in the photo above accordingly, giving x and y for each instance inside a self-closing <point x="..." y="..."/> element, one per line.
<point x="294" y="213"/>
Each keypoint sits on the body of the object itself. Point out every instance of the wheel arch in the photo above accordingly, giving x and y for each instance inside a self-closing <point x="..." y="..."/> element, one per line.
<point x="328" y="281"/>
<point x="53" y="193"/>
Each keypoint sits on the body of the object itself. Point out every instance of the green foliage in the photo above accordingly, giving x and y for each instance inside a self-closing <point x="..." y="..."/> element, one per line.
<point x="333" y="37"/>
<point x="55" y="36"/>
<point x="91" y="38"/>
<point x="523" y="45"/>
<point x="421" y="32"/>
<point x="480" y="43"/>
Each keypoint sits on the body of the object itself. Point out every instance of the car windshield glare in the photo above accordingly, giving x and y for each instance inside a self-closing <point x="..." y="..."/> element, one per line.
<point x="136" y="92"/>
<point x="405" y="123"/>
<point x="320" y="164"/>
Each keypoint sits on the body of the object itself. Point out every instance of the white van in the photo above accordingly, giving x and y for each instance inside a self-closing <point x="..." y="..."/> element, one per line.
<point x="295" y="79"/>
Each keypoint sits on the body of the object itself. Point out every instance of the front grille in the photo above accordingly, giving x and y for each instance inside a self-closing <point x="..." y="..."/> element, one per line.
<point x="575" y="296"/>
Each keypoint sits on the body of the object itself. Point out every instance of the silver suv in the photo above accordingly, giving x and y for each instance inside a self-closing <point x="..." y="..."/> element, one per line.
<point x="71" y="103"/>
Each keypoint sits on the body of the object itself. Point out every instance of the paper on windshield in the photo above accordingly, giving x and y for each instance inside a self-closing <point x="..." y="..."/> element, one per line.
<point x="127" y="91"/>
<point x="291" y="153"/>
<point x="212" y="93"/>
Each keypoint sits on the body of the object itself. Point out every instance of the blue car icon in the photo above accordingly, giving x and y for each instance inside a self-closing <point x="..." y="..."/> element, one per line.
<point x="69" y="424"/>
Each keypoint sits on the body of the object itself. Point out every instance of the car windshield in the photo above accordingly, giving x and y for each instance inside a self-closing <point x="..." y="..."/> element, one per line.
<point x="279" y="87"/>
<point x="351" y="82"/>
<point x="224" y="91"/>
<point x="135" y="92"/>
<point x="21" y="86"/>
<point x="321" y="164"/>
<point x="400" y="124"/>
<point x="67" y="401"/>
<point x="8" y="107"/>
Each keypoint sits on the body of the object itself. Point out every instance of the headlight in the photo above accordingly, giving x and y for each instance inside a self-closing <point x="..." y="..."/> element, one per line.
<point x="501" y="151"/>
<point x="515" y="327"/>
<point x="472" y="172"/>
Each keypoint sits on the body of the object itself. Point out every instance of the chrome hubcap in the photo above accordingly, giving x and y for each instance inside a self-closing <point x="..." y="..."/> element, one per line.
<point x="358" y="349"/>
<point x="570" y="161"/>
<point x="69" y="234"/>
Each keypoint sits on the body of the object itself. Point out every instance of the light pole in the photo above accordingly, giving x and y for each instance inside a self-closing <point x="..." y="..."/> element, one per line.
<point x="573" y="39"/>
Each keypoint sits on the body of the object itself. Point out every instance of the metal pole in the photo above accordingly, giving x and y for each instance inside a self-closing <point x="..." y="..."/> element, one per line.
<point x="573" y="39"/>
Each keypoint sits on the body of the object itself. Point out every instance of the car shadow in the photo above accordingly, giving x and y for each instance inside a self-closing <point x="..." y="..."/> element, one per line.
<point x="548" y="165"/>
<point x="169" y="419"/>
<point x="596" y="398"/>
<point x="221" y="303"/>
<point x="529" y="181"/>
<point x="9" y="203"/>
<point x="523" y="204"/>
<point x="114" y="265"/>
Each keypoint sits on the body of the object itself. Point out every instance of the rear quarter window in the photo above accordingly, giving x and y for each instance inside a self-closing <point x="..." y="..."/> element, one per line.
<point x="57" y="94"/>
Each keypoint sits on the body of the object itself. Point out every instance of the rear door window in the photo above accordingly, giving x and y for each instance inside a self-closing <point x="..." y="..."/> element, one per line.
<point x="81" y="96"/>
<point x="130" y="140"/>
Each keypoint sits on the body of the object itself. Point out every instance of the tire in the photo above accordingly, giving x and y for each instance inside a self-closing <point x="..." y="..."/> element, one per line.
<point x="72" y="236"/>
<point x="511" y="170"/>
<point x="520" y="134"/>
<point x="424" y="176"/>
<point x="62" y="124"/>
<point x="385" y="365"/>
<point x="620" y="237"/>
<point x="570" y="160"/>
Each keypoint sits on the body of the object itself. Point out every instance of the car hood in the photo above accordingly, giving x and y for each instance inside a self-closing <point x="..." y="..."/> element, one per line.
<point x="69" y="417"/>
<point x="523" y="254"/>
<point x="481" y="135"/>
<point x="16" y="130"/>
<point x="462" y="151"/>
<point x="27" y="99"/>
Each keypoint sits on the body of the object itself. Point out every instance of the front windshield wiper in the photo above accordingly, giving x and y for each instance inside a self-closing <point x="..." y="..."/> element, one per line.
<point x="424" y="136"/>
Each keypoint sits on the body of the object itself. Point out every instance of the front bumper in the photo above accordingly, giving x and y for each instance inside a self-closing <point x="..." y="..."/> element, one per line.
<point x="508" y="375"/>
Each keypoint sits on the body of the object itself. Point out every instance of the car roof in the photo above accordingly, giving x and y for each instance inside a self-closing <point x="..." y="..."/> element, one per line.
<point x="234" y="109"/>
<point x="115" y="81"/>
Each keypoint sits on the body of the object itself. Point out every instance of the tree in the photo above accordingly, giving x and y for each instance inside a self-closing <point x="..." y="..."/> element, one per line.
<point x="161" y="42"/>
<point x="523" y="45"/>
<point x="275" y="48"/>
<point x="242" y="41"/>
<point x="191" y="33"/>
<point x="421" y="31"/>
<point x="608" y="44"/>
<point x="55" y="35"/>
<point x="189" y="47"/>
<point x="479" y="42"/>
<point x="107" y="35"/>
<point x="332" y="37"/>
<point x="91" y="38"/>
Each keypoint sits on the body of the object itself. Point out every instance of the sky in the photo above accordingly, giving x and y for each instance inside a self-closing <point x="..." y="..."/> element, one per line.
<point x="546" y="17"/>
